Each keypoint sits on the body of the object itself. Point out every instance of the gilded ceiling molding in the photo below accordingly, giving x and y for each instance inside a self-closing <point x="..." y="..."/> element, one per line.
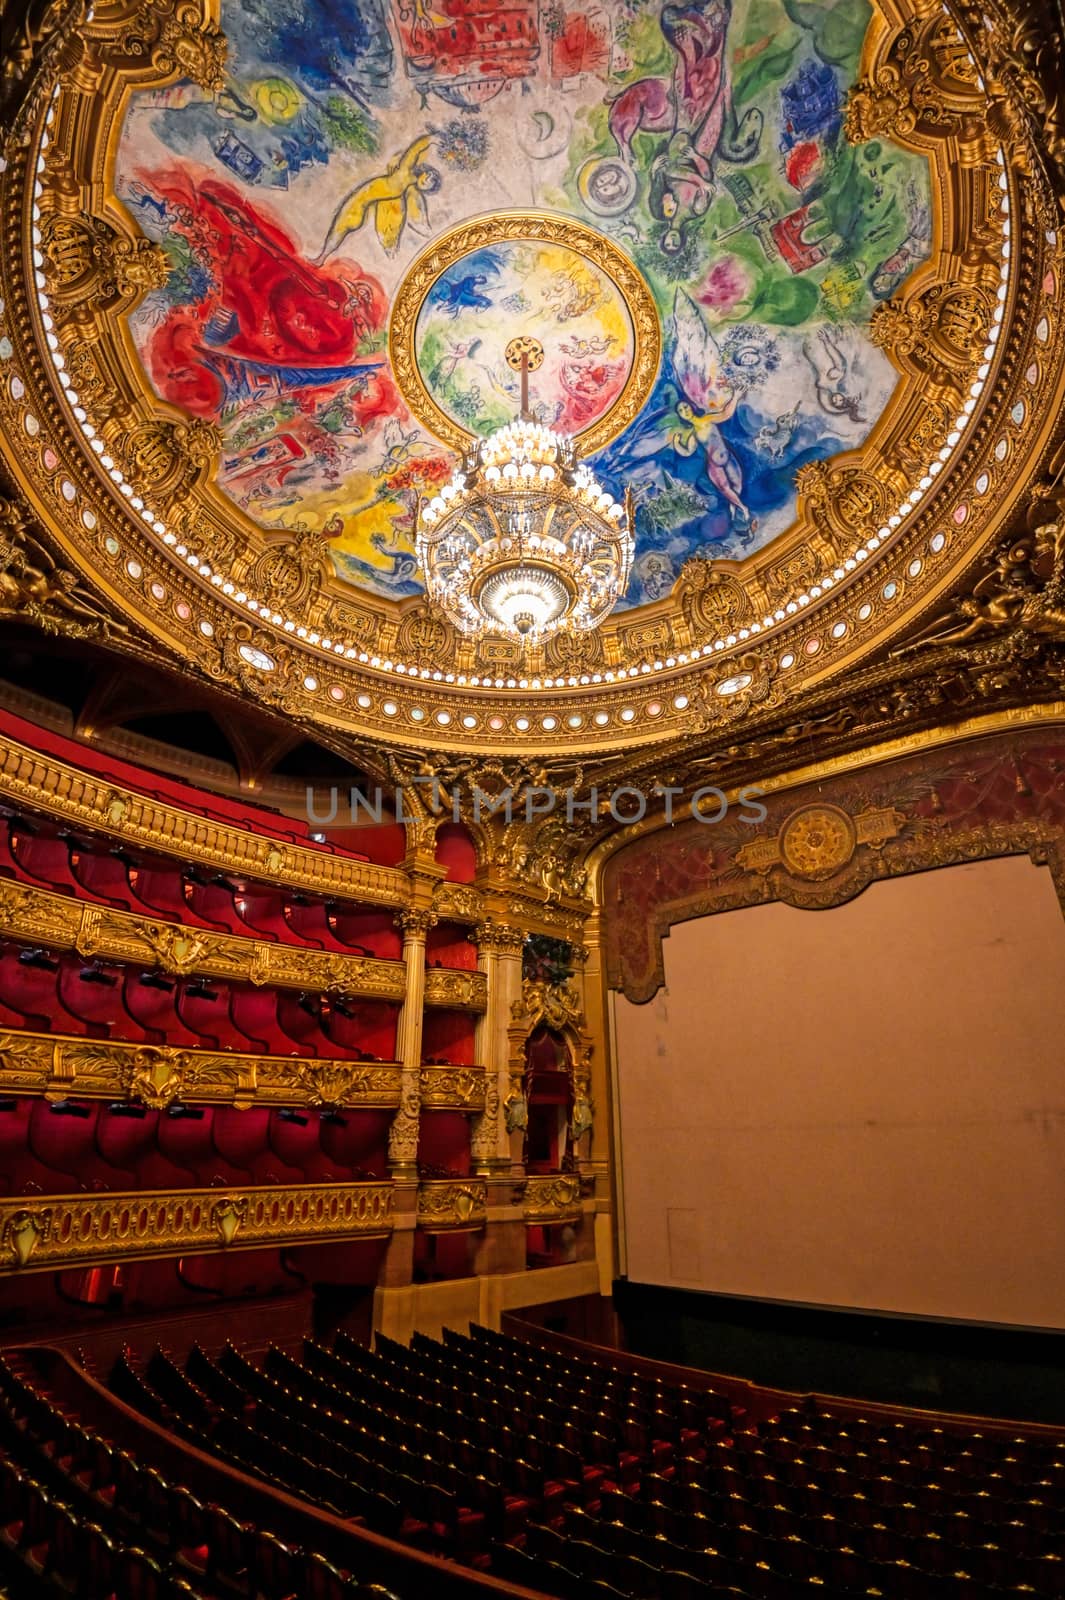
<point x="46" y="1233"/>
<point x="38" y="917"/>
<point x="520" y="226"/>
<point x="78" y="798"/>
<point x="58" y="1067"/>
<point x="827" y="838"/>
<point x="883" y="532"/>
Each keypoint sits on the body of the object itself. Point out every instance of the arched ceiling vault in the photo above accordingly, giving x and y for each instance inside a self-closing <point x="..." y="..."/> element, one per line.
<point x="800" y="269"/>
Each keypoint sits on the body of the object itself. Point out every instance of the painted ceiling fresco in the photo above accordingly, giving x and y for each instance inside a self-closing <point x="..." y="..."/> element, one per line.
<point x="703" y="137"/>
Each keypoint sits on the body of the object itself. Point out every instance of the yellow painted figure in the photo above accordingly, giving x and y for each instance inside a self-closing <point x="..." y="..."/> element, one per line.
<point x="396" y="198"/>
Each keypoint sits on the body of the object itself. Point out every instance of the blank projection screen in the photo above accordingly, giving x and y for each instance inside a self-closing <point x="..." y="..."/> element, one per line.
<point x="857" y="1107"/>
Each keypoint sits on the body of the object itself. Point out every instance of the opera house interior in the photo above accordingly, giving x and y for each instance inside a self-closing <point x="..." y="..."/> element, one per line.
<point x="532" y="799"/>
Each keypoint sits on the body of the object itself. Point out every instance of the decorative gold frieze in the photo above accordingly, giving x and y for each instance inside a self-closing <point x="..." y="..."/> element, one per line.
<point x="552" y="1198"/>
<point x="445" y="1203"/>
<point x="452" y="1088"/>
<point x="456" y="987"/>
<point x="40" y="917"/>
<point x="819" y="840"/>
<point x="42" y="1233"/>
<point x="58" y="1066"/>
<point x="91" y="803"/>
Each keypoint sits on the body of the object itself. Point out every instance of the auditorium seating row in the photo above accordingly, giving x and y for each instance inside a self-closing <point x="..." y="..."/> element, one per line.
<point x="169" y="791"/>
<point x="567" y="1474"/>
<point x="65" y="994"/>
<point x="80" y="1517"/>
<point x="46" y="855"/>
<point x="71" y="1147"/>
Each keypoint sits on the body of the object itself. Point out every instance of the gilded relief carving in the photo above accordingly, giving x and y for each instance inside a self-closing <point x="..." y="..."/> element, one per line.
<point x="445" y="1203"/>
<point x="827" y="841"/>
<point x="38" y="916"/>
<point x="80" y="1229"/>
<point x="156" y="1075"/>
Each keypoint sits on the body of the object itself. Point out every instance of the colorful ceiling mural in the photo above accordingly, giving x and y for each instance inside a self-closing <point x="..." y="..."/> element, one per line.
<point x="704" y="138"/>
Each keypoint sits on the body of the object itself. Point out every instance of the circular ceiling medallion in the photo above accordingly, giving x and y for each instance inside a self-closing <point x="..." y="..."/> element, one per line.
<point x="817" y="841"/>
<point x="523" y="275"/>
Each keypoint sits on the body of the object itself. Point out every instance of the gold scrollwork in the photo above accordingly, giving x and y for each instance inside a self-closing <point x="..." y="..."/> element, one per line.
<point x="549" y="1199"/>
<point x="456" y="987"/>
<point x="445" y="1203"/>
<point x="78" y="797"/>
<point x="452" y="1088"/>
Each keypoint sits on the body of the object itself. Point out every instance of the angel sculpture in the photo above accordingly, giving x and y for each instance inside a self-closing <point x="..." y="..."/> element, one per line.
<point x="396" y="199"/>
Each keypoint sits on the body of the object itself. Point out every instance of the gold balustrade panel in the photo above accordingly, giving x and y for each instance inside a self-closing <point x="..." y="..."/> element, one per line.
<point x="60" y="1066"/>
<point x="41" y="1233"/>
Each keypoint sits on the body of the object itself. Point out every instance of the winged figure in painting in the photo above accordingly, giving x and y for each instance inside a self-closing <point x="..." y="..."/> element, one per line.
<point x="395" y="199"/>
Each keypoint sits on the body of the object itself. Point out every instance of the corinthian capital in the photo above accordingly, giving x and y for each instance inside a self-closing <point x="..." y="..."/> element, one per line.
<point x="416" y="921"/>
<point x="498" y="938"/>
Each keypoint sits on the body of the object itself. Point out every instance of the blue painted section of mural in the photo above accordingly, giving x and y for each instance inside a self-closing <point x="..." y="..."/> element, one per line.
<point x="704" y="136"/>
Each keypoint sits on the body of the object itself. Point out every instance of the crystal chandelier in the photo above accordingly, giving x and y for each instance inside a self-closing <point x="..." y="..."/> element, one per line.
<point x="523" y="541"/>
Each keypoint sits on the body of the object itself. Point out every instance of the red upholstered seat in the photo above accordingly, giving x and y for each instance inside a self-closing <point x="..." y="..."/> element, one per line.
<point x="43" y="858"/>
<point x="28" y="985"/>
<point x="126" y="1138"/>
<point x="213" y="903"/>
<point x="261" y="912"/>
<point x="203" y="1005"/>
<point x="184" y="1137"/>
<point x="254" y="1014"/>
<point x="297" y="1016"/>
<point x="242" y="1139"/>
<point x="63" y="1137"/>
<point x="20" y="1170"/>
<point x="294" y="1140"/>
<point x="92" y="992"/>
<point x="159" y="886"/>
<point x="149" y="999"/>
<point x="103" y="875"/>
<point x="373" y="932"/>
<point x="308" y="921"/>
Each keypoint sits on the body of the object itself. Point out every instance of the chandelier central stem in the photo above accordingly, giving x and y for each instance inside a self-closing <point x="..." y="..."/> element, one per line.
<point x="523" y="541"/>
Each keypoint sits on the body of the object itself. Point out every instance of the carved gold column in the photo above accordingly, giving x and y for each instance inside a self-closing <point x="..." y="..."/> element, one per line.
<point x="496" y="1136"/>
<point x="495" y="1142"/>
<point x="594" y="1148"/>
<point x="403" y="1135"/>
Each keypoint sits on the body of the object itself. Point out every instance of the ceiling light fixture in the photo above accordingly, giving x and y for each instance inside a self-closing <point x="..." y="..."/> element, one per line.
<point x="523" y="541"/>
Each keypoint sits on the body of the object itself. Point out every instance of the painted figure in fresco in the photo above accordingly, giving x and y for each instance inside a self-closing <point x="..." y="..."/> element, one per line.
<point x="400" y="448"/>
<point x="709" y="399"/>
<point x="830" y="367"/>
<point x="395" y="199"/>
<point x="914" y="248"/>
<point x="693" y="109"/>
<point x="465" y="294"/>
